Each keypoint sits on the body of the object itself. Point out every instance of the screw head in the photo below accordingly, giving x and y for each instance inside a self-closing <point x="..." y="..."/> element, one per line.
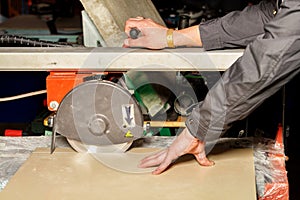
<point x="53" y="105"/>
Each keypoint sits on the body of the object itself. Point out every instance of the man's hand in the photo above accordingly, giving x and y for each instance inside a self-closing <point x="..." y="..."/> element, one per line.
<point x="185" y="143"/>
<point x="152" y="34"/>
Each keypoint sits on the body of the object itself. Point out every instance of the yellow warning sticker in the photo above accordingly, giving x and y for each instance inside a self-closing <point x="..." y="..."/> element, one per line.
<point x="128" y="134"/>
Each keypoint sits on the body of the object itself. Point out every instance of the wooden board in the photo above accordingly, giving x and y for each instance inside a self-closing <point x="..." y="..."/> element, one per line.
<point x="70" y="175"/>
<point x="110" y="16"/>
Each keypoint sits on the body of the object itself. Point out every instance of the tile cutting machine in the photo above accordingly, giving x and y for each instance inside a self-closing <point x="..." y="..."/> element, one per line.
<point x="89" y="90"/>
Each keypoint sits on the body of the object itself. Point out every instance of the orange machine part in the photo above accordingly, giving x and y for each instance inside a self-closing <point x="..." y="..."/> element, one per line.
<point x="59" y="84"/>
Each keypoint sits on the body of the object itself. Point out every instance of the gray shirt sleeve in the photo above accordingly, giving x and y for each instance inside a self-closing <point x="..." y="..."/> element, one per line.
<point x="238" y="28"/>
<point x="268" y="63"/>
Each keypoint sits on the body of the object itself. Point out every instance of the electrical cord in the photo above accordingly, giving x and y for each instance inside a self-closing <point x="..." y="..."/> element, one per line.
<point x="3" y="99"/>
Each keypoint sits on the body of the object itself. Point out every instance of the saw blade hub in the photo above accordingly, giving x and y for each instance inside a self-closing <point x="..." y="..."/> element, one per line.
<point x="98" y="125"/>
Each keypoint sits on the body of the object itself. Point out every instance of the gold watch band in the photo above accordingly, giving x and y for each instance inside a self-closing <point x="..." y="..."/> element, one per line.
<point x="170" y="40"/>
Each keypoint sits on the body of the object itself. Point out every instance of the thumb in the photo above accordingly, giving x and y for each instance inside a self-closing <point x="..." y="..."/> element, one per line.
<point x="129" y="42"/>
<point x="203" y="160"/>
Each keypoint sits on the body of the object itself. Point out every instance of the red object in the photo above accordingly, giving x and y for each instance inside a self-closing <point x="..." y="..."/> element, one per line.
<point x="13" y="133"/>
<point x="278" y="190"/>
<point x="60" y="83"/>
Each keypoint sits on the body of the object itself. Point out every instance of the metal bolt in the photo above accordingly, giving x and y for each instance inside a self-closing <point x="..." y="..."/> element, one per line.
<point x="53" y="105"/>
<point x="50" y="121"/>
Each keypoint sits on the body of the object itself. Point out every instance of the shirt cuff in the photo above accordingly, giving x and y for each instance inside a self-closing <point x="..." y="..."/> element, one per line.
<point x="210" y="36"/>
<point x="192" y="123"/>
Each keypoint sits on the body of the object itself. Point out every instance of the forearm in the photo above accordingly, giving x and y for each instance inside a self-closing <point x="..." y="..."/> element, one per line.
<point x="266" y="65"/>
<point x="188" y="37"/>
<point x="238" y="28"/>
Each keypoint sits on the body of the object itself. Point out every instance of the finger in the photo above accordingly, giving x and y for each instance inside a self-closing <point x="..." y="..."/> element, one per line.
<point x="133" y="23"/>
<point x="134" y="42"/>
<point x="203" y="160"/>
<point x="155" y="155"/>
<point x="126" y="43"/>
<point x="139" y="18"/>
<point x="128" y="28"/>
<point x="164" y="165"/>
<point x="136" y="18"/>
<point x="153" y="160"/>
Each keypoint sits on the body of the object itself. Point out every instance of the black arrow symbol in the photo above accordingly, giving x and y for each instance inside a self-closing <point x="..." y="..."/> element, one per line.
<point x="128" y="118"/>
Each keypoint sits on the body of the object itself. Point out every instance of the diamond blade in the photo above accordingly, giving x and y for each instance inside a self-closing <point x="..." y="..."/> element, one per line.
<point x="99" y="113"/>
<point x="113" y="148"/>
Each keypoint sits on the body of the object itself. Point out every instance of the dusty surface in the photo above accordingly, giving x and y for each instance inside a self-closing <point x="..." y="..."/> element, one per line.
<point x="70" y="175"/>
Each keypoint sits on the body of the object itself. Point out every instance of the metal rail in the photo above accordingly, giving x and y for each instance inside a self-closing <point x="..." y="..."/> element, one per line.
<point x="114" y="59"/>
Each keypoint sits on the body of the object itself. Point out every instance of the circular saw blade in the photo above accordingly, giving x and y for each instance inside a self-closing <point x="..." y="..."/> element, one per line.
<point x="113" y="148"/>
<point x="99" y="114"/>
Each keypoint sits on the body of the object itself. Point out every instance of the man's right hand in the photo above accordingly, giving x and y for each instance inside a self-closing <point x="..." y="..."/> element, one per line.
<point x="185" y="143"/>
<point x="152" y="34"/>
